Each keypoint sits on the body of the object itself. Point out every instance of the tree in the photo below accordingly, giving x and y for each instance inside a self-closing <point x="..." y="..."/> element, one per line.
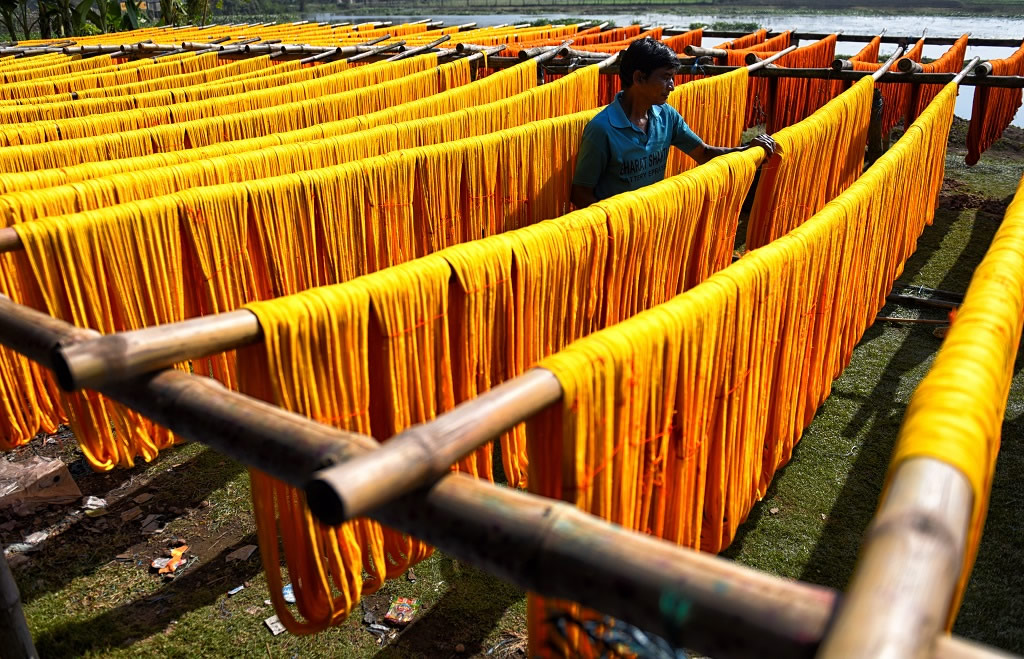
<point x="8" y="11"/>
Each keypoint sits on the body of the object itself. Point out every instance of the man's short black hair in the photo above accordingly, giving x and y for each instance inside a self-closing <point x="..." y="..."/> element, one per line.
<point x="645" y="55"/>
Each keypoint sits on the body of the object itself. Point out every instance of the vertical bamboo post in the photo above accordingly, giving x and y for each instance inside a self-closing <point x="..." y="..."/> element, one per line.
<point x="875" y="127"/>
<point x="899" y="597"/>
<point x="15" y="638"/>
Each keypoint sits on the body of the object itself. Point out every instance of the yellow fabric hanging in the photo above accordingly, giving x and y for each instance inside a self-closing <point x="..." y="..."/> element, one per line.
<point x="442" y="328"/>
<point x="674" y="421"/>
<point x="956" y="413"/>
<point x="817" y="159"/>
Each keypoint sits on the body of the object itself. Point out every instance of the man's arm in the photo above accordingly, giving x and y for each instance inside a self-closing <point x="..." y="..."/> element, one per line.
<point x="704" y="152"/>
<point x="582" y="196"/>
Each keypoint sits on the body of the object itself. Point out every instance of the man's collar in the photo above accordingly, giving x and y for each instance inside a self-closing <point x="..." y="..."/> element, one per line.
<point x="618" y="118"/>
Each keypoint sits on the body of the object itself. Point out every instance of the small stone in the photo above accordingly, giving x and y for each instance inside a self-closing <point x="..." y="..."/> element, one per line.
<point x="460" y="648"/>
<point x="824" y="516"/>
<point x="773" y="511"/>
<point x="205" y="503"/>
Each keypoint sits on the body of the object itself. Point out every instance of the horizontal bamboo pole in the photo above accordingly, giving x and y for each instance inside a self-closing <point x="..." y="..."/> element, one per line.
<point x="967" y="69"/>
<point x="545" y="53"/>
<point x="543" y="545"/>
<point x="910" y="562"/>
<point x="377" y="50"/>
<point x="697" y="51"/>
<point x="419" y="49"/>
<point x="856" y="38"/>
<point x="421" y="454"/>
<point x="763" y="63"/>
<point x="97" y="363"/>
<point x="907" y="65"/>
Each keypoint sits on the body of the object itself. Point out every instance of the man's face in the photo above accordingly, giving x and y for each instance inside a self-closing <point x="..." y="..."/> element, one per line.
<point x="657" y="86"/>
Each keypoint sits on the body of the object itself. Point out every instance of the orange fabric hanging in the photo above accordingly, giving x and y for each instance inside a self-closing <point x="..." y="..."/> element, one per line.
<point x="952" y="61"/>
<point x="994" y="108"/>
<point x="895" y="95"/>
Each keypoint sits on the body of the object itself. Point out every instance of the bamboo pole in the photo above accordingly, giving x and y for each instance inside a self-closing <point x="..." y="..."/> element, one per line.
<point x="967" y="69"/>
<point x="421" y="454"/>
<point x="15" y="638"/>
<point x="337" y="52"/>
<point x="909" y="565"/>
<point x="420" y="49"/>
<point x="97" y="363"/>
<point x="543" y="545"/>
<point x="397" y="45"/>
<point x="847" y="65"/>
<point x="545" y="53"/>
<point x="762" y="63"/>
<point x="697" y="51"/>
<point x="889" y="62"/>
<point x="374" y="42"/>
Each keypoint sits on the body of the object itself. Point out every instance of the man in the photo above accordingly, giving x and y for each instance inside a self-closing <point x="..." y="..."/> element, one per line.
<point x="626" y="145"/>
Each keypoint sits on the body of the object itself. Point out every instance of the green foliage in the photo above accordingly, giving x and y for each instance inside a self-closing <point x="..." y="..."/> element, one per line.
<point x="727" y="26"/>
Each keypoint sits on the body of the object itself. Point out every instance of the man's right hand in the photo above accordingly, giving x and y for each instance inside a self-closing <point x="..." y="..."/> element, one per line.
<point x="766" y="142"/>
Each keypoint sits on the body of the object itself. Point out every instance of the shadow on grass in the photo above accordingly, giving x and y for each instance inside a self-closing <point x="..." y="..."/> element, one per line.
<point x="470" y="610"/>
<point x="79" y="552"/>
<point x="148" y="615"/>
<point x="878" y="417"/>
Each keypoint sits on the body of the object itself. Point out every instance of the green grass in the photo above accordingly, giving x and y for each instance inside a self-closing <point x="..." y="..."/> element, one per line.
<point x="82" y="601"/>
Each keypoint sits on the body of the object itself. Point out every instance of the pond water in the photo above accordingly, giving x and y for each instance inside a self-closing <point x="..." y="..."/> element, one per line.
<point x="851" y="23"/>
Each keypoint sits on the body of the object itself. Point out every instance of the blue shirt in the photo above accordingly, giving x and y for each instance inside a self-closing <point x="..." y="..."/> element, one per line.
<point x="615" y="156"/>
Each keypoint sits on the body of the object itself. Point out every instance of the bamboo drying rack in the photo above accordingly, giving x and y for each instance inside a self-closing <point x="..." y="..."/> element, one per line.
<point x="545" y="546"/>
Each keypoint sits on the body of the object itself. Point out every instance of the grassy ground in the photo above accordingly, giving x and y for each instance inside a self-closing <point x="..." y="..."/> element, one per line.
<point x="88" y="590"/>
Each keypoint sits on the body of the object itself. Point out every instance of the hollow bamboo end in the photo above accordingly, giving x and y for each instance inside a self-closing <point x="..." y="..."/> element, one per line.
<point x="62" y="370"/>
<point x="324" y="502"/>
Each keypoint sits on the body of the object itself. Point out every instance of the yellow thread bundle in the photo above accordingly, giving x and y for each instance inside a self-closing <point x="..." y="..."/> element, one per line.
<point x="817" y="159"/>
<point x="288" y="117"/>
<point x="411" y="345"/>
<point x="351" y="89"/>
<point x="956" y="413"/>
<point x="239" y="242"/>
<point x="674" y="421"/>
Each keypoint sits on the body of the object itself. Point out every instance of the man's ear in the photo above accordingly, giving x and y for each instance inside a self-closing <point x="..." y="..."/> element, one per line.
<point x="638" y="77"/>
